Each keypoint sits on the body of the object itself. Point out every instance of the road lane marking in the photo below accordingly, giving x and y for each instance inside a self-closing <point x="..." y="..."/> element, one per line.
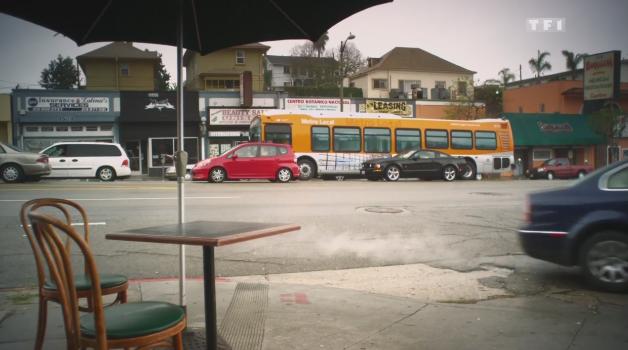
<point x="124" y="199"/>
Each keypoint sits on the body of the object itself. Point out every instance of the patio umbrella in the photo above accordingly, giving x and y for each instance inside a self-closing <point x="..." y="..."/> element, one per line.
<point x="199" y="25"/>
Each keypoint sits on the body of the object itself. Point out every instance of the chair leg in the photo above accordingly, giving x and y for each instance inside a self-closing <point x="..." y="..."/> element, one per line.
<point x="178" y="341"/>
<point x="41" y="322"/>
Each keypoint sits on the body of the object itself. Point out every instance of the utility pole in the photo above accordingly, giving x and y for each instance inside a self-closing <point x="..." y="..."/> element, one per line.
<point x="520" y="72"/>
<point x="343" y="45"/>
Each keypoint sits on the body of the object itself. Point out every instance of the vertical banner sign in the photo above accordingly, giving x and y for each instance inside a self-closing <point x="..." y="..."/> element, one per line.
<point x="601" y="76"/>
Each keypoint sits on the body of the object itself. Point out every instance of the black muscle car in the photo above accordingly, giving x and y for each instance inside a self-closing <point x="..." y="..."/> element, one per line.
<point x="422" y="164"/>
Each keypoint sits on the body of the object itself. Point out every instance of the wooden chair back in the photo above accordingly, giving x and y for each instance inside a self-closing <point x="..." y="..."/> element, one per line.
<point x="48" y="232"/>
<point x="66" y="207"/>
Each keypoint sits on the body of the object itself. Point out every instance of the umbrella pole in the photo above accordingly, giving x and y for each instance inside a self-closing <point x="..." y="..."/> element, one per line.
<point x="180" y="138"/>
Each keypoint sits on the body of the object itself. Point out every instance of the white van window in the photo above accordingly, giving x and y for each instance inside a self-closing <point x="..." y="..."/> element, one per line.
<point x="86" y="150"/>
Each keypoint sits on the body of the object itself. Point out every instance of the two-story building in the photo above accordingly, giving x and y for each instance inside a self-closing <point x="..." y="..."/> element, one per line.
<point x="222" y="70"/>
<point x="119" y="66"/>
<point x="413" y="73"/>
<point x="300" y="71"/>
<point x="6" y="132"/>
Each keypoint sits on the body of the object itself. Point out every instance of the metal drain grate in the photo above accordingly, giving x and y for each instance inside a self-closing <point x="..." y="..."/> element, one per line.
<point x="243" y="325"/>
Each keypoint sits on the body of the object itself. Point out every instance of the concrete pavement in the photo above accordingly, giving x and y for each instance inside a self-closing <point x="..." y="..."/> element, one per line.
<point x="394" y="307"/>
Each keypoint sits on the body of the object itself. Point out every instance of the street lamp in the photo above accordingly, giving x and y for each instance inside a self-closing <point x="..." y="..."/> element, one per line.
<point x="343" y="45"/>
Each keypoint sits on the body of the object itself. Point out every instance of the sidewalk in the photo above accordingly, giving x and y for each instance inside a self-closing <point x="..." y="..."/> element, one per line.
<point x="336" y="310"/>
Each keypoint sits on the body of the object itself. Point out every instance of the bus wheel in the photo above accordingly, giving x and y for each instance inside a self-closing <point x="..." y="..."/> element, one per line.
<point x="469" y="172"/>
<point x="307" y="169"/>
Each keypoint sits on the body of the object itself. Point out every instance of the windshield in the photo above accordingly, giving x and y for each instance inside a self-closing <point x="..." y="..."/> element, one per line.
<point x="407" y="155"/>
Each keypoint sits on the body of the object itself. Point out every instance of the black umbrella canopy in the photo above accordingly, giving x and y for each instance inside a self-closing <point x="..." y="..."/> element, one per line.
<point x="208" y="25"/>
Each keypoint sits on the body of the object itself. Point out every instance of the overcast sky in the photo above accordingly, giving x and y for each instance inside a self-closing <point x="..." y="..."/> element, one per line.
<point x="482" y="35"/>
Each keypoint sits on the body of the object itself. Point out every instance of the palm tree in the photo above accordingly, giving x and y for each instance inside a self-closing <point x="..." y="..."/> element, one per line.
<point x="319" y="45"/>
<point x="540" y="64"/>
<point x="573" y="61"/>
<point x="506" y="76"/>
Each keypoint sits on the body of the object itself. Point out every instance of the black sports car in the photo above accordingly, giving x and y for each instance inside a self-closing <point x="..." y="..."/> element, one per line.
<point x="423" y="164"/>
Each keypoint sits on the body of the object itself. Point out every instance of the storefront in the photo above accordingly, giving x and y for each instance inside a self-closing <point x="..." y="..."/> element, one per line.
<point x="539" y="137"/>
<point x="44" y="117"/>
<point x="148" y="129"/>
<point x="228" y="127"/>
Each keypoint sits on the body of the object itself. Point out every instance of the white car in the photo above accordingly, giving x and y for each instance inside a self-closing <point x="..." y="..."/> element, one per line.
<point x="105" y="161"/>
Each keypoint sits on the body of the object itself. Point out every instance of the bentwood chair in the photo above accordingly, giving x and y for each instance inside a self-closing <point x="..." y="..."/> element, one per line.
<point x="48" y="291"/>
<point x="144" y="325"/>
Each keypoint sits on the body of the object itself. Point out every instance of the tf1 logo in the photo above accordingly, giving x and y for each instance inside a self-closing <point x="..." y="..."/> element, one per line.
<point x="546" y="25"/>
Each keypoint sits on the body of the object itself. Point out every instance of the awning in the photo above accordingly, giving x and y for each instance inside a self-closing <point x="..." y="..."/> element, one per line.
<point x="552" y="129"/>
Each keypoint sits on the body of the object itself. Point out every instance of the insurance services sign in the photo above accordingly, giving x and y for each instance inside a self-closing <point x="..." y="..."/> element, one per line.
<point x="67" y="104"/>
<point x="601" y="76"/>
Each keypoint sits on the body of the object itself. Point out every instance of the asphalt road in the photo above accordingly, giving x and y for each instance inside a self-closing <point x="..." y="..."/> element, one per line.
<point x="462" y="226"/>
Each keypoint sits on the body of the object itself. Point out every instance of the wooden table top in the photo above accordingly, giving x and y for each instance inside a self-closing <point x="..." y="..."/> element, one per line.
<point x="204" y="233"/>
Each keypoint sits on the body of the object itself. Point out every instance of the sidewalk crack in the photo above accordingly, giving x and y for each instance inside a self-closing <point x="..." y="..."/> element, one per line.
<point x="573" y="339"/>
<point x="386" y="327"/>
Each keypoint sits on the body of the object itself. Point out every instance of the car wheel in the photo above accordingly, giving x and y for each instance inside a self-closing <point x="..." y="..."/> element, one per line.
<point x="604" y="260"/>
<point x="307" y="169"/>
<point x="106" y="174"/>
<point x="550" y="176"/>
<point x="392" y="173"/>
<point x="582" y="174"/>
<point x="449" y="173"/>
<point x="12" y="173"/>
<point x="469" y="172"/>
<point x="284" y="175"/>
<point x="217" y="175"/>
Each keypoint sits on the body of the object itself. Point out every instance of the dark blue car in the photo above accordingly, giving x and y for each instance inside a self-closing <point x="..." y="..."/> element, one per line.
<point x="585" y="224"/>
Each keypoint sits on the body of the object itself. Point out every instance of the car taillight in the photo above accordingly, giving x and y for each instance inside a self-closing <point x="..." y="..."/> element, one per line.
<point x="125" y="162"/>
<point x="42" y="159"/>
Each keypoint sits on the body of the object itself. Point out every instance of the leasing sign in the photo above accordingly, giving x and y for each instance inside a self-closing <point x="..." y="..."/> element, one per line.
<point x="395" y="107"/>
<point x="601" y="76"/>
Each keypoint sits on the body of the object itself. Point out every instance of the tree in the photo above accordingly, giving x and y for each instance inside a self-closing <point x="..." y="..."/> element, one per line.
<point x="492" y="96"/>
<point x="464" y="108"/>
<point x="60" y="74"/>
<point x="540" y="64"/>
<point x="609" y="122"/>
<point x="162" y="77"/>
<point x="352" y="60"/>
<point x="304" y="50"/>
<point x="319" y="45"/>
<point x="573" y="61"/>
<point x="506" y="76"/>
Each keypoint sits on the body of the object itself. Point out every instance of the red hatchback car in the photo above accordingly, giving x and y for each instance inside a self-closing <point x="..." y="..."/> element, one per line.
<point x="254" y="160"/>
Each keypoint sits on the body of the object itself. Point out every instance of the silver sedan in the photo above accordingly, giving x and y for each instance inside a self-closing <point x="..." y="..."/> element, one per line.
<point x="17" y="165"/>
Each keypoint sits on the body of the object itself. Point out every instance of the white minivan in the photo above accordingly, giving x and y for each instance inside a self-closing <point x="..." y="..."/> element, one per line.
<point x="105" y="161"/>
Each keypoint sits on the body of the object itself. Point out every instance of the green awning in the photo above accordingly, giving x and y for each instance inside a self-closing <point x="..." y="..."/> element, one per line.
<point x="552" y="129"/>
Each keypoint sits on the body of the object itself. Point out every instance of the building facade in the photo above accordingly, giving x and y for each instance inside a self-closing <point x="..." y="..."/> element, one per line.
<point x="300" y="71"/>
<point x="222" y="70"/>
<point x="6" y="126"/>
<point x="119" y="66"/>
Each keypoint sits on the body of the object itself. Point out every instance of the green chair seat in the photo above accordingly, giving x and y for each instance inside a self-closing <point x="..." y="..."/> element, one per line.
<point x="134" y="319"/>
<point x="82" y="282"/>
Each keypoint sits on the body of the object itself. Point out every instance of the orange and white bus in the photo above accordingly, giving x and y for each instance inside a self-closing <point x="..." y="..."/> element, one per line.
<point x="327" y="145"/>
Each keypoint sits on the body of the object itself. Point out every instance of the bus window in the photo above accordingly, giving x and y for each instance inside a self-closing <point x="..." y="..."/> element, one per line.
<point x="436" y="139"/>
<point x="377" y="140"/>
<point x="408" y="139"/>
<point x="347" y="139"/>
<point x="255" y="130"/>
<point x="485" y="140"/>
<point x="461" y="139"/>
<point x="278" y="133"/>
<point x="320" y="138"/>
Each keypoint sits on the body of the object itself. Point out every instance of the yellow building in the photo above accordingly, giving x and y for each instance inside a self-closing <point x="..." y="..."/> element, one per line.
<point x="6" y="134"/>
<point x="220" y="70"/>
<point x="119" y="66"/>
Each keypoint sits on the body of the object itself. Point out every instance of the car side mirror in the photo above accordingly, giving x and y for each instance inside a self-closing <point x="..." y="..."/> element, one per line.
<point x="234" y="157"/>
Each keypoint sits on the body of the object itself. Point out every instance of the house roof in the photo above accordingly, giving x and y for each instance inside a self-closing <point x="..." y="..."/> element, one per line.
<point x="413" y="59"/>
<point x="297" y="60"/>
<point x="120" y="49"/>
<point x="187" y="55"/>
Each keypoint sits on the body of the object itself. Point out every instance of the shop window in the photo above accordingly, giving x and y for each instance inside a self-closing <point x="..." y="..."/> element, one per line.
<point x="407" y="139"/>
<point x="320" y="138"/>
<point x="485" y="140"/>
<point x="377" y="140"/>
<point x="32" y="128"/>
<point x="61" y="128"/>
<point x="240" y="57"/>
<point x="380" y="84"/>
<point x="461" y="140"/>
<point x="436" y="139"/>
<point x="47" y="128"/>
<point x="91" y="128"/>
<point x="347" y="140"/>
<point x="76" y="128"/>
<point x="106" y="127"/>
<point x="541" y="154"/>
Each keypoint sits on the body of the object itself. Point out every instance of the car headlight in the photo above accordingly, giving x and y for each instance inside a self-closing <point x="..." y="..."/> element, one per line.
<point x="377" y="166"/>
